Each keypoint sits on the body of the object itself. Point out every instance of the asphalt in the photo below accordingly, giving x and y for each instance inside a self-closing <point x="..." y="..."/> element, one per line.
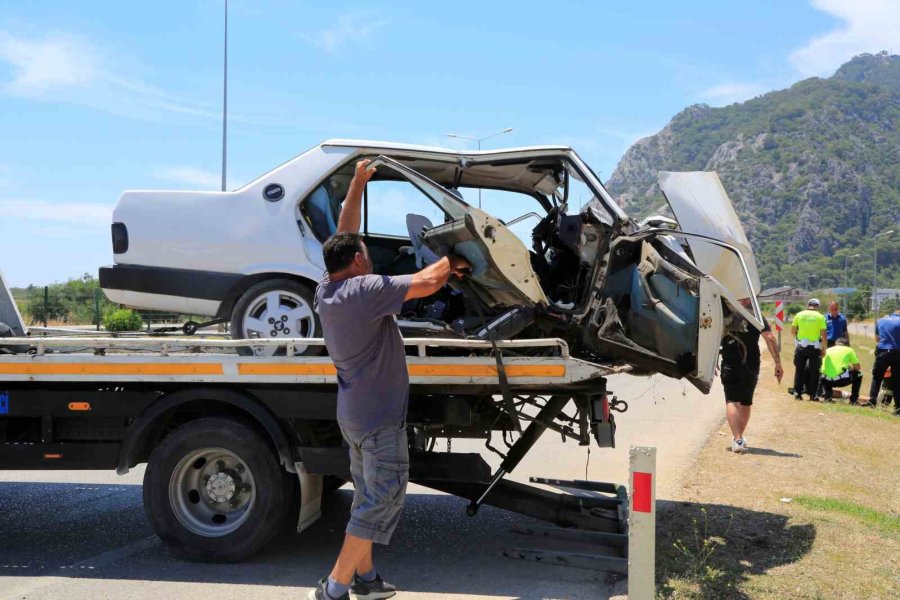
<point x="84" y="535"/>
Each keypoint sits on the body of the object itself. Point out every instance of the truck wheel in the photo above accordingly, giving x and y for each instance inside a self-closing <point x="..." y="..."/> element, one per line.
<point x="215" y="492"/>
<point x="277" y="308"/>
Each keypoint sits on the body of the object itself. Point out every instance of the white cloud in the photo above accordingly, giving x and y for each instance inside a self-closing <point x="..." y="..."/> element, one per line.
<point x="349" y="27"/>
<point x="191" y="176"/>
<point x="866" y="26"/>
<point x="51" y="62"/>
<point x="730" y="92"/>
<point x="81" y="213"/>
<point x="63" y="68"/>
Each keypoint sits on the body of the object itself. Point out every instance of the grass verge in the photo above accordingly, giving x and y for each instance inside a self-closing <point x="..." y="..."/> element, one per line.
<point x="811" y="511"/>
<point x="884" y="522"/>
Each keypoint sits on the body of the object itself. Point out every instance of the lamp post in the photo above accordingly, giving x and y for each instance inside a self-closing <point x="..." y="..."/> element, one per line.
<point x="875" y="272"/>
<point x="846" y="273"/>
<point x="478" y="141"/>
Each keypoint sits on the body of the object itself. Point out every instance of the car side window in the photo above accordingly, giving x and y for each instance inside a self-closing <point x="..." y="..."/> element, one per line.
<point x="389" y="202"/>
<point x="507" y="206"/>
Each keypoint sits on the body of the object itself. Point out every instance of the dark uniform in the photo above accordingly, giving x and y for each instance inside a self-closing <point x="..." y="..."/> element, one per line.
<point x="740" y="364"/>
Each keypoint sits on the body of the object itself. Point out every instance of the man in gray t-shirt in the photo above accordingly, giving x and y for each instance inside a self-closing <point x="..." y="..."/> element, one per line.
<point x="357" y="310"/>
<point x="363" y="339"/>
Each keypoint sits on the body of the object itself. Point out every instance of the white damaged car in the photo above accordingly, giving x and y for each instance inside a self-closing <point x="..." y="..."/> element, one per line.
<point x="553" y="255"/>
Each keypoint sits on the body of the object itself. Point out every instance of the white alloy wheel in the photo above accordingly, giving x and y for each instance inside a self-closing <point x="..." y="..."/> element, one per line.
<point x="278" y="313"/>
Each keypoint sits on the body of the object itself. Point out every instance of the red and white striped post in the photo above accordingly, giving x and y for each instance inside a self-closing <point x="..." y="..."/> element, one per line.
<point x="779" y="320"/>
<point x="642" y="524"/>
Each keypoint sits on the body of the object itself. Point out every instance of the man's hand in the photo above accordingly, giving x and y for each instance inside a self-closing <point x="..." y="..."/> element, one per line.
<point x="363" y="174"/>
<point x="779" y="372"/>
<point x="458" y="265"/>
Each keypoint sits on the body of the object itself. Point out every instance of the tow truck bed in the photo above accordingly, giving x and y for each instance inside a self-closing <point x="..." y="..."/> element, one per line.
<point x="227" y="437"/>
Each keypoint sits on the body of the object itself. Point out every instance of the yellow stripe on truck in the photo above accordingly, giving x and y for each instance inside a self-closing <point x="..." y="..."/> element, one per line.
<point x="286" y="369"/>
<point x="437" y="370"/>
<point x="111" y="369"/>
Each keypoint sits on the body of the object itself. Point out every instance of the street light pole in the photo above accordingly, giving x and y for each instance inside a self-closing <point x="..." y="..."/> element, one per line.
<point x="846" y="273"/>
<point x="225" y="100"/>
<point x="478" y="141"/>
<point x="875" y="272"/>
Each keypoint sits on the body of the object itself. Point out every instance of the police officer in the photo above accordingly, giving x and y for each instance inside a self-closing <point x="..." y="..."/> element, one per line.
<point x="811" y="334"/>
<point x="887" y="354"/>
<point x="837" y="325"/>
<point x="840" y="369"/>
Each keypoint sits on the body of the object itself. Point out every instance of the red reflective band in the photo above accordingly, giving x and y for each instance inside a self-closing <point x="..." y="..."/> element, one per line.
<point x="641" y="484"/>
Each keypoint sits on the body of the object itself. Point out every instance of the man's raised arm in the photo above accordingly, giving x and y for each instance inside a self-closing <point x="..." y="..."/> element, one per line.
<point x="350" y="218"/>
<point x="435" y="276"/>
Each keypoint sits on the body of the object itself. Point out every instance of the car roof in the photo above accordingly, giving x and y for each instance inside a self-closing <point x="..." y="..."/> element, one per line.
<point x="350" y="143"/>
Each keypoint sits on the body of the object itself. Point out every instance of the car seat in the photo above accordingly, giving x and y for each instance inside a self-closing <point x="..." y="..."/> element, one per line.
<point x="323" y="211"/>
<point x="416" y="226"/>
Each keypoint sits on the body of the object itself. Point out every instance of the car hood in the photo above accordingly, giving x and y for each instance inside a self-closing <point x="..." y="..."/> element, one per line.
<point x="702" y="207"/>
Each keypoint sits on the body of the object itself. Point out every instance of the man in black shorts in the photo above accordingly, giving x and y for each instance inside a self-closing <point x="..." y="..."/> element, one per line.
<point x="740" y="372"/>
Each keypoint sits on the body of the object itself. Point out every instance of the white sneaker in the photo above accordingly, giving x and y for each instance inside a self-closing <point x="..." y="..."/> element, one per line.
<point x="738" y="446"/>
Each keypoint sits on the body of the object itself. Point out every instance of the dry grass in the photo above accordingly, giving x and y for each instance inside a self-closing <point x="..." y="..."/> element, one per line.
<point x="812" y="511"/>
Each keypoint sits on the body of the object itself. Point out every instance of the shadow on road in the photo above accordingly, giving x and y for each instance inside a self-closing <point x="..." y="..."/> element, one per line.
<point x="97" y="532"/>
<point x="744" y="542"/>
<point x="100" y="532"/>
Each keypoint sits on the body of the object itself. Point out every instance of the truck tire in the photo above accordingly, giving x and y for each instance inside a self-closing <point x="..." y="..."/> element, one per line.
<point x="276" y="308"/>
<point x="215" y="492"/>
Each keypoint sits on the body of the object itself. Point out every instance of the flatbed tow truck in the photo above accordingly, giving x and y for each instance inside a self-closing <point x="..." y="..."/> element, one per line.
<point x="236" y="445"/>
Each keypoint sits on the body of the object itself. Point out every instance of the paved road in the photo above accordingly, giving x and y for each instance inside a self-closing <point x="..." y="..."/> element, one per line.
<point x="84" y="535"/>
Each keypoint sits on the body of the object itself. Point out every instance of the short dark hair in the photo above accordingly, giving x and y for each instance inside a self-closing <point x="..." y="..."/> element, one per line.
<point x="339" y="250"/>
<point x="842" y="341"/>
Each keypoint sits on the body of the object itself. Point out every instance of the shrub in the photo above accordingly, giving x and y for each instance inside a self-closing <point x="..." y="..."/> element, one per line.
<point x="793" y="309"/>
<point x="122" y="319"/>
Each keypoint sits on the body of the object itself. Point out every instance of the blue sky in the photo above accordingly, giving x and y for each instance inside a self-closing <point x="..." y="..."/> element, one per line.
<point x="97" y="97"/>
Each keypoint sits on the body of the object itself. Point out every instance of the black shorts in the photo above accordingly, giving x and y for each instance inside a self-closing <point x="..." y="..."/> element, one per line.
<point x="739" y="384"/>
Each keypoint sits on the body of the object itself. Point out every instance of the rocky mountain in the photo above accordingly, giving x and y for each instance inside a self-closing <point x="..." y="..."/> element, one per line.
<point x="813" y="172"/>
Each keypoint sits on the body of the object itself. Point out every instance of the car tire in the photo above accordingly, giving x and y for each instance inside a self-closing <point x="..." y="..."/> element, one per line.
<point x="203" y="522"/>
<point x="293" y="296"/>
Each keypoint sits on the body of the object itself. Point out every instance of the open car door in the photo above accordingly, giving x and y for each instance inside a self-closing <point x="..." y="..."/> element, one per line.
<point x="501" y="265"/>
<point x="667" y="312"/>
<point x="702" y="207"/>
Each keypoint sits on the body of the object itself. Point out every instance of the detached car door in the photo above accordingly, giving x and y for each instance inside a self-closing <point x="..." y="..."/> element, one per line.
<point x="501" y="265"/>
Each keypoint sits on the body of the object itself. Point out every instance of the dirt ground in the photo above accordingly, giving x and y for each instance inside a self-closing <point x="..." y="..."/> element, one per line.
<point x="810" y="512"/>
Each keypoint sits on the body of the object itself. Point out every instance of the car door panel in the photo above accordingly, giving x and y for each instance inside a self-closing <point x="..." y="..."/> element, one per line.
<point x="502" y="273"/>
<point x="657" y="313"/>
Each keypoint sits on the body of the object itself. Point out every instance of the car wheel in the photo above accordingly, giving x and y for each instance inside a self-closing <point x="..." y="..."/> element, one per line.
<point x="277" y="308"/>
<point x="215" y="492"/>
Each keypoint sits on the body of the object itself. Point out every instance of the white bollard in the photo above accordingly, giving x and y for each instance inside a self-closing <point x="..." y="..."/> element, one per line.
<point x="642" y="523"/>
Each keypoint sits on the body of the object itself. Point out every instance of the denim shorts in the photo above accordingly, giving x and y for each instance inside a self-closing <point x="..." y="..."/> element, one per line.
<point x="379" y="465"/>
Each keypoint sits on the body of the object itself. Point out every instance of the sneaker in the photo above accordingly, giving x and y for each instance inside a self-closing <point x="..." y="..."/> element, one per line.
<point x="738" y="446"/>
<point x="372" y="590"/>
<point x="320" y="592"/>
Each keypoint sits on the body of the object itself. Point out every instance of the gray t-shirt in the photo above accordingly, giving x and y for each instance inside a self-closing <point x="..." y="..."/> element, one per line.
<point x="364" y="341"/>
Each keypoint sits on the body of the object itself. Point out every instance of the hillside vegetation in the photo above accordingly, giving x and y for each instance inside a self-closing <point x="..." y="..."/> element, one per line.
<point x="813" y="172"/>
